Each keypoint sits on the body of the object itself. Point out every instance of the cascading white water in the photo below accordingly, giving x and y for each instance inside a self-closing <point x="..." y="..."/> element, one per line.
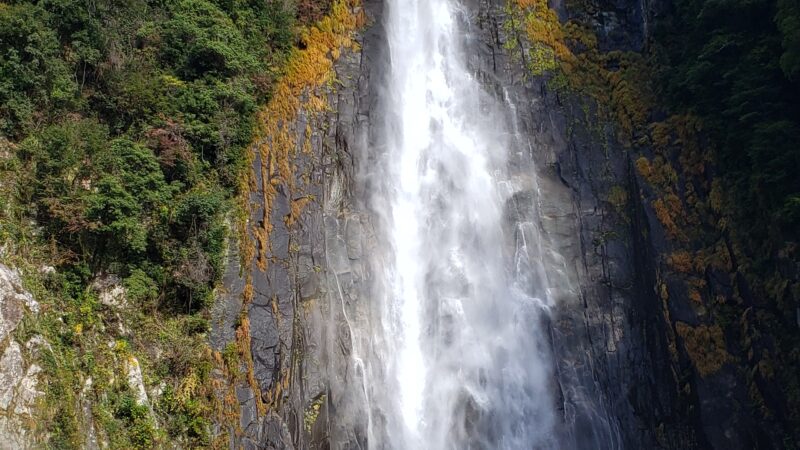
<point x="458" y="359"/>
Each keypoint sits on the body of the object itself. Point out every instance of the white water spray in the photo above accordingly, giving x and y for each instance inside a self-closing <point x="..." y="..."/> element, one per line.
<point x="457" y="359"/>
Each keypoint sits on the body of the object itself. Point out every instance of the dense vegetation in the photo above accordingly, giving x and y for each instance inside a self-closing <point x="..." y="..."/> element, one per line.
<point x="123" y="132"/>
<point x="736" y="64"/>
<point x="131" y="120"/>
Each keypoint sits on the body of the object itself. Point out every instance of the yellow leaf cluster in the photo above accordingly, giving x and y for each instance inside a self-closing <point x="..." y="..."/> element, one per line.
<point x="303" y="89"/>
<point x="705" y="345"/>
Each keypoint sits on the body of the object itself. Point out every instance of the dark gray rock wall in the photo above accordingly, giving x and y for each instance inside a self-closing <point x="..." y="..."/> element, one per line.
<point x="608" y="349"/>
<point x="315" y="274"/>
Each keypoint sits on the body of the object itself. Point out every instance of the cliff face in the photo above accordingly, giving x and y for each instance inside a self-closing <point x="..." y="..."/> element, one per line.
<point x="611" y="354"/>
<point x="639" y="361"/>
<point x="308" y="236"/>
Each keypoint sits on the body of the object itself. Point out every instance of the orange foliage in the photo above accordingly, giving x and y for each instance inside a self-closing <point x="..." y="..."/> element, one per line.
<point x="303" y="88"/>
<point x="243" y="347"/>
<point x="681" y="261"/>
<point x="705" y="345"/>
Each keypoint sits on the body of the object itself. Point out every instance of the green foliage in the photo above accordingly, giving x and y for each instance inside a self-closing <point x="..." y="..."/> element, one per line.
<point x="202" y="39"/>
<point x="129" y="192"/>
<point x="133" y="120"/>
<point x="140" y="288"/>
<point x="735" y="64"/>
<point x="124" y="128"/>
<point x="230" y="354"/>
<point x="34" y="81"/>
<point x="787" y="18"/>
<point x="190" y="417"/>
<point x="141" y="433"/>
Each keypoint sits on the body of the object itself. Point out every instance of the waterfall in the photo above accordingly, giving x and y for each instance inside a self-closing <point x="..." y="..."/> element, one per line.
<point x="456" y="356"/>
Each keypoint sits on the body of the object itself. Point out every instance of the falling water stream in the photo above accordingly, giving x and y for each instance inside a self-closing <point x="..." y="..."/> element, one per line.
<point x="459" y="358"/>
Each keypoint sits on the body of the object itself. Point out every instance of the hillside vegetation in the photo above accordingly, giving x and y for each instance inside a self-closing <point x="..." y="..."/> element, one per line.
<point x="123" y="132"/>
<point x="736" y="64"/>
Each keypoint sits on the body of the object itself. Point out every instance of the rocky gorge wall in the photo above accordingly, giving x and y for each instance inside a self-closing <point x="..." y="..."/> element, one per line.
<point x="639" y="360"/>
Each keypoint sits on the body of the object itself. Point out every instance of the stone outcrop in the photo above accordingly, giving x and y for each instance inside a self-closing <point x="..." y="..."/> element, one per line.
<point x="19" y="382"/>
<point x="14" y="299"/>
<point x="109" y="290"/>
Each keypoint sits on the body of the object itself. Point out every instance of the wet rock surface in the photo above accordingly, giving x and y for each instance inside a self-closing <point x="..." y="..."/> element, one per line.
<point x="604" y="340"/>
